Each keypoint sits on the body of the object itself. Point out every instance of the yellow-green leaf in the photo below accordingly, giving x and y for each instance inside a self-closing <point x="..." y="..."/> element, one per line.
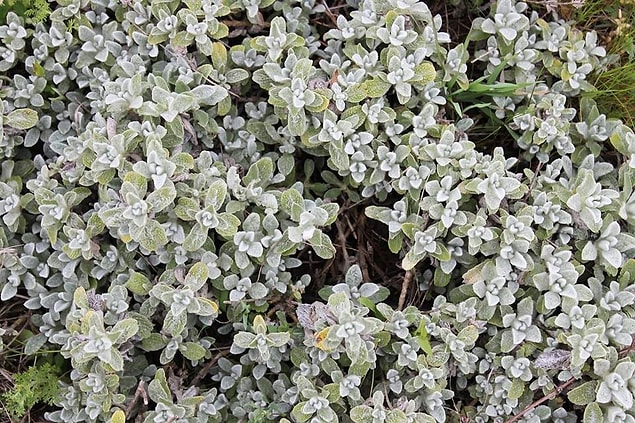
<point x="118" y="417"/>
<point x="192" y="350"/>
<point x="426" y="71"/>
<point x="219" y="55"/>
<point x="583" y="394"/>
<point x="22" y="119"/>
<point x="197" y="276"/>
<point x="138" y="284"/>
<point x="516" y="389"/>
<point x="468" y="334"/>
<point x="80" y="298"/>
<point x="423" y="339"/>
<point x="593" y="413"/>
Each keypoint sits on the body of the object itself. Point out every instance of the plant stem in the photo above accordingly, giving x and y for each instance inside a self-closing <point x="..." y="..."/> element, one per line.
<point x="404" y="288"/>
<point x="557" y="391"/>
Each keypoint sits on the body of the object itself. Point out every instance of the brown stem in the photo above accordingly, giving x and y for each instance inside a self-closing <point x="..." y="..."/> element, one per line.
<point x="243" y="24"/>
<point x="404" y="289"/>
<point x="201" y="374"/>
<point x="557" y="391"/>
<point x="330" y="14"/>
<point x="627" y="350"/>
<point x="139" y="393"/>
<point x="342" y="234"/>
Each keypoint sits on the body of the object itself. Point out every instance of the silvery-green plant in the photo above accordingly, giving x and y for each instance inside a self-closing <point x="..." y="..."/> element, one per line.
<point x="187" y="163"/>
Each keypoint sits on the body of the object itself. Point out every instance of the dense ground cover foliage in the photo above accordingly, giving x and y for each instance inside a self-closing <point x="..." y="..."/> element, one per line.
<point x="173" y="174"/>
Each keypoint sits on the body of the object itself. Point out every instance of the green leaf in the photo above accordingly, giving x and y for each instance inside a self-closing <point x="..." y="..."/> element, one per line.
<point x="332" y="209"/>
<point x="94" y="226"/>
<point x="196" y="238"/>
<point x="583" y="394"/>
<point x="409" y="229"/>
<point x="174" y="325"/>
<point x="219" y="55"/>
<point x="38" y="70"/>
<point x="286" y="164"/>
<point x="34" y="343"/>
<point x="192" y="350"/>
<point x="426" y="72"/>
<point x="156" y="36"/>
<point x="243" y="339"/>
<point x="262" y="131"/>
<point x="338" y="156"/>
<point x="423" y="339"/>
<point x="181" y="39"/>
<point x="138" y="283"/>
<point x="207" y="307"/>
<point x="442" y="253"/>
<point x="439" y="356"/>
<point x="80" y="299"/>
<point x="125" y="329"/>
<point x="516" y="390"/>
<point x="118" y="416"/>
<point x="279" y="339"/>
<point x="134" y="182"/>
<point x="197" y="276"/>
<point x="291" y="201"/>
<point x="227" y="225"/>
<point x="105" y="176"/>
<point x="225" y="105"/>
<point x="153" y="342"/>
<point x="236" y="75"/>
<point x="368" y="303"/>
<point x="411" y="259"/>
<point x="321" y="106"/>
<point x="303" y="69"/>
<point x="151" y="236"/>
<point x="331" y="391"/>
<point x="183" y="160"/>
<point x="395" y="243"/>
<point x="158" y="389"/>
<point x="396" y="416"/>
<point x="362" y="414"/>
<point x="112" y="217"/>
<point x="161" y="198"/>
<point x="216" y="194"/>
<point x="356" y="93"/>
<point x="115" y="361"/>
<point x="355" y="115"/>
<point x="22" y="119"/>
<point x="593" y="413"/>
<point x="618" y="141"/>
<point x="322" y="245"/>
<point x="145" y="325"/>
<point x="259" y="172"/>
<point x="209" y="95"/>
<point x="468" y="335"/>
<point x="362" y="365"/>
<point x="507" y="341"/>
<point x="441" y="278"/>
<point x="187" y="208"/>
<point x="378" y="213"/>
<point x="285" y="245"/>
<point x="627" y="273"/>
<point x="297" y="122"/>
<point x="376" y="88"/>
<point x="339" y="302"/>
<point x="298" y="356"/>
<point x="354" y="348"/>
<point x="298" y="415"/>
